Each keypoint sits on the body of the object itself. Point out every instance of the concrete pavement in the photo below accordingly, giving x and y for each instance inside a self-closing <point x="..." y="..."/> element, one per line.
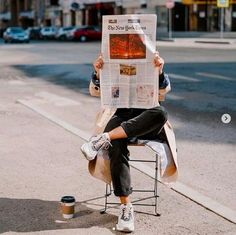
<point x="226" y="44"/>
<point x="40" y="162"/>
<point x="196" y="34"/>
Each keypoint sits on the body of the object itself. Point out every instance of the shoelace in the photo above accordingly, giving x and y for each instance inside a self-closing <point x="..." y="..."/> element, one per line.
<point x="102" y="143"/>
<point x="126" y="213"/>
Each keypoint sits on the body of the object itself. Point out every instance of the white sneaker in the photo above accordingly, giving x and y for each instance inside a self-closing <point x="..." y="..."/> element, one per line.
<point x="91" y="148"/>
<point x="126" y="218"/>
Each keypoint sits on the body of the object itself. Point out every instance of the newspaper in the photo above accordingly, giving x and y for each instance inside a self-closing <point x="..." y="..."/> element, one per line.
<point x="129" y="78"/>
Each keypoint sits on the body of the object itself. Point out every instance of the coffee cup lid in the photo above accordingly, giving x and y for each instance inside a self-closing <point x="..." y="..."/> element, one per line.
<point x="67" y="199"/>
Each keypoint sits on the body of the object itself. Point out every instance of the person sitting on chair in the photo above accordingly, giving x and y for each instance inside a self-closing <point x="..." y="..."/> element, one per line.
<point x="126" y="123"/>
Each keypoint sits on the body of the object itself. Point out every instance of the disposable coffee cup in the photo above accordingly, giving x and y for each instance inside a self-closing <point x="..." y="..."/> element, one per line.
<point x="68" y="207"/>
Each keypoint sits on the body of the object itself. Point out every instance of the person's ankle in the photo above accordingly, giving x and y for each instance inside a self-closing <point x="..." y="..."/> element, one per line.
<point x="124" y="199"/>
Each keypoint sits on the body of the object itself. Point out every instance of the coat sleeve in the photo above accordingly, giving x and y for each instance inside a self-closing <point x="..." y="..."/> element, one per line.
<point x="94" y="86"/>
<point x="164" y="86"/>
<point x="94" y="90"/>
<point x="163" y="92"/>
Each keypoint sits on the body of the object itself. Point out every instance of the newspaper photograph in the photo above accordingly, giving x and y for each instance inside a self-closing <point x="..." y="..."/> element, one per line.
<point x="129" y="78"/>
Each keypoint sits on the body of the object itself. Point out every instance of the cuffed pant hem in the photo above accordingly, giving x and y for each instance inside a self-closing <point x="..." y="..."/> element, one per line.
<point x="122" y="194"/>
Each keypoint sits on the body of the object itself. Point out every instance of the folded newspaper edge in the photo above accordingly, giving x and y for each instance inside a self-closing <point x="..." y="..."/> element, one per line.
<point x="129" y="78"/>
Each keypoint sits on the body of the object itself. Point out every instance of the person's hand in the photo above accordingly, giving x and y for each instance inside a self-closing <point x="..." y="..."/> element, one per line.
<point x="159" y="62"/>
<point x="98" y="64"/>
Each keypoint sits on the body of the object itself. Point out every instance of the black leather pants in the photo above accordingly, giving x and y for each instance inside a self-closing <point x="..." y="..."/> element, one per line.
<point x="141" y="123"/>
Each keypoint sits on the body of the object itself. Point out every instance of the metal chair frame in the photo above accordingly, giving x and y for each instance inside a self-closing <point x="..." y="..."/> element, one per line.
<point x="155" y="195"/>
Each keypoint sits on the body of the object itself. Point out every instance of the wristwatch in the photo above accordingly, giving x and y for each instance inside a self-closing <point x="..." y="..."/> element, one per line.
<point x="95" y="79"/>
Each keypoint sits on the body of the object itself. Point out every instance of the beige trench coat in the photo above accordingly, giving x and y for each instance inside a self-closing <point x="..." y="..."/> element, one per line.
<point x="100" y="166"/>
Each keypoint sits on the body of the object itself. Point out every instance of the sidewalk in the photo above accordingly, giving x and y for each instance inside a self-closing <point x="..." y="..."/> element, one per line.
<point x="193" y="34"/>
<point x="226" y="44"/>
<point x="41" y="162"/>
<point x="198" y="39"/>
<point x="193" y="39"/>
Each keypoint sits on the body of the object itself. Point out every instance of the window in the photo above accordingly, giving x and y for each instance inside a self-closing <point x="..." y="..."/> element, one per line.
<point x="54" y="2"/>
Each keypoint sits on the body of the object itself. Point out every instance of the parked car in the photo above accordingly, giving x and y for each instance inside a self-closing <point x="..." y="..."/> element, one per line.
<point x="71" y="33"/>
<point x="64" y="33"/>
<point x="15" y="34"/>
<point x="85" y="33"/>
<point x="48" y="33"/>
<point x="34" y="32"/>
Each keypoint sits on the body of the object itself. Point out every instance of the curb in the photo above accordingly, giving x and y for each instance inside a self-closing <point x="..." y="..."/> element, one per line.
<point x="178" y="187"/>
<point x="166" y="39"/>
<point x="211" y="42"/>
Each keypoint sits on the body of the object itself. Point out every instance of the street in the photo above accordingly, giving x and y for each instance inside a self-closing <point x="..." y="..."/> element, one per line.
<point x="40" y="159"/>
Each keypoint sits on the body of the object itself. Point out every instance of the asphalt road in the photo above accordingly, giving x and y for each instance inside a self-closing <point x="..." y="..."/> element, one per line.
<point x="203" y="89"/>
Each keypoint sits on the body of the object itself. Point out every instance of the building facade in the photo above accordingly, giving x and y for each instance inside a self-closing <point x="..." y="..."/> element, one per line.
<point x="5" y="13"/>
<point x="187" y="15"/>
<point x="23" y="13"/>
<point x="204" y="15"/>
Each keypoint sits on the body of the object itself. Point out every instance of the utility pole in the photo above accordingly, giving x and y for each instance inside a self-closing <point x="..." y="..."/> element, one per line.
<point x="222" y="4"/>
<point x="169" y="5"/>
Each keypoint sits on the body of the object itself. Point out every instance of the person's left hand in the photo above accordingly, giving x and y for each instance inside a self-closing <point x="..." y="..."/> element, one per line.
<point x="159" y="62"/>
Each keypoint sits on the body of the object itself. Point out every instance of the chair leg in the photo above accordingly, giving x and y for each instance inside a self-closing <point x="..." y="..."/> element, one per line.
<point x="107" y="194"/>
<point x="155" y="191"/>
<point x="155" y="184"/>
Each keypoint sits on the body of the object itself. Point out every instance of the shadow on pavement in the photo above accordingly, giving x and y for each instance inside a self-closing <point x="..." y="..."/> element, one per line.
<point x="73" y="76"/>
<point x="30" y="215"/>
<point x="194" y="86"/>
<point x="201" y="92"/>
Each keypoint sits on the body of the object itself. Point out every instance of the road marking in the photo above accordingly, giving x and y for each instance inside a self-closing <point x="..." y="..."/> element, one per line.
<point x="182" y="77"/>
<point x="188" y="192"/>
<point x="56" y="99"/>
<point x="216" y="76"/>
<point x="82" y="134"/>
<point x="175" y="97"/>
<point x="18" y="46"/>
<point x="178" y="187"/>
<point x="16" y="82"/>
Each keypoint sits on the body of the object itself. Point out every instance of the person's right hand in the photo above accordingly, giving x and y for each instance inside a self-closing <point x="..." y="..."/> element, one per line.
<point x="98" y="64"/>
<point x="159" y="62"/>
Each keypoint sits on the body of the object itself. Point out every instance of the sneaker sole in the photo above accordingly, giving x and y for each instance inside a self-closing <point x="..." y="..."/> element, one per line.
<point x="125" y="229"/>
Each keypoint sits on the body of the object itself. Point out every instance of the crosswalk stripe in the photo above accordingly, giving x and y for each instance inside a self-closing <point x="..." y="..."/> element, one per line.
<point x="56" y="99"/>
<point x="216" y="76"/>
<point x="182" y="77"/>
<point x="175" y="97"/>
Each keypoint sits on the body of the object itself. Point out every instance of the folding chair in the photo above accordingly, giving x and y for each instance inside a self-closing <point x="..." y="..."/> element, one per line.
<point x="153" y="190"/>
